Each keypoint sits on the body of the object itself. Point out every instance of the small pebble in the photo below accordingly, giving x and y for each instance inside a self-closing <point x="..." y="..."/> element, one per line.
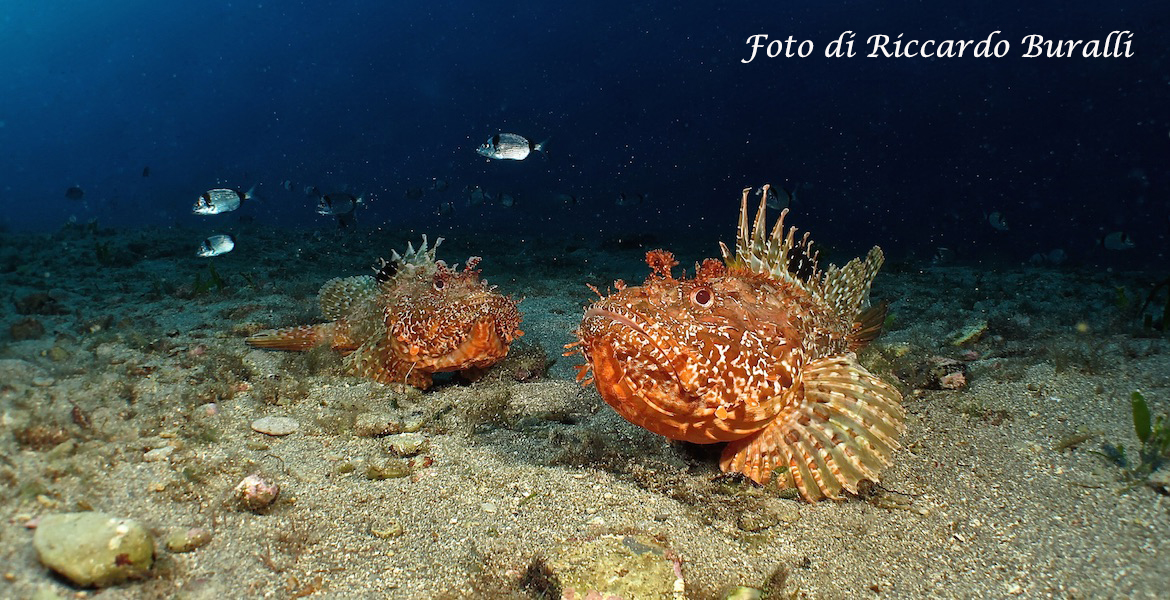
<point x="187" y="540"/>
<point x="390" y="469"/>
<point x="275" y="425"/>
<point x="413" y="423"/>
<point x="373" y="424"/>
<point x="158" y="454"/>
<point x="255" y="492"/>
<point x="387" y="530"/>
<point x="406" y="444"/>
<point x="488" y="508"/>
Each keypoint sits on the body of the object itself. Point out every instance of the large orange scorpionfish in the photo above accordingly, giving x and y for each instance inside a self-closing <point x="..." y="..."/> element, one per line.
<point x="756" y="351"/>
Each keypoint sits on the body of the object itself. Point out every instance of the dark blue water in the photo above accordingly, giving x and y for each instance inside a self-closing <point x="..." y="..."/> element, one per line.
<point x="637" y="98"/>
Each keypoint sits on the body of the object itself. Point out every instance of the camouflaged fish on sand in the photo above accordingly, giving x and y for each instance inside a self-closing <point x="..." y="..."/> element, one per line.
<point x="756" y="351"/>
<point x="414" y="317"/>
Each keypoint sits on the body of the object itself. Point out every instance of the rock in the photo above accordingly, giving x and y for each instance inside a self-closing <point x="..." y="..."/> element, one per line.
<point x="744" y="593"/>
<point x="276" y="426"/>
<point x="392" y="468"/>
<point x="262" y="364"/>
<point x="1160" y="480"/>
<point x="406" y="444"/>
<point x="158" y="454"/>
<point x="387" y="529"/>
<point x="93" y="548"/>
<point x="27" y="328"/>
<point x="38" y="303"/>
<point x="13" y="371"/>
<point x="625" y="566"/>
<point x="188" y="539"/>
<point x="413" y="422"/>
<point x="374" y="424"/>
<point x="255" y="492"/>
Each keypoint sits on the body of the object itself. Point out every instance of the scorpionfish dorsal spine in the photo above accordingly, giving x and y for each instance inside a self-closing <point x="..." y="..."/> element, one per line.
<point x="413" y="318"/>
<point x="756" y="350"/>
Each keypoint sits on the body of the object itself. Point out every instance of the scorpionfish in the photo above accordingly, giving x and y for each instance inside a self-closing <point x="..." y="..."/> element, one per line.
<point x="414" y="317"/>
<point x="756" y="351"/>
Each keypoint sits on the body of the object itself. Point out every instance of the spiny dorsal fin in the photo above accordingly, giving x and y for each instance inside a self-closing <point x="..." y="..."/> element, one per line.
<point x="784" y="257"/>
<point x="407" y="264"/>
<point x="778" y="254"/>
<point x="846" y="289"/>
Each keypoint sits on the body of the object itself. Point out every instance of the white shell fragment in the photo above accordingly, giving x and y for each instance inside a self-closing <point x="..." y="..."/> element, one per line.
<point x="277" y="426"/>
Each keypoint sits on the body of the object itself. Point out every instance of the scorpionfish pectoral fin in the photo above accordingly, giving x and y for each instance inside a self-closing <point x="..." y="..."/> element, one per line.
<point x="305" y="337"/>
<point x="382" y="361"/>
<point x="841" y="426"/>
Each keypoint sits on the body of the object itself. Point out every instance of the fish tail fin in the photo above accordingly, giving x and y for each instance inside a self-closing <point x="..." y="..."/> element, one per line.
<point x="251" y="193"/>
<point x="841" y="428"/>
<point x="542" y="146"/>
<point x="304" y="337"/>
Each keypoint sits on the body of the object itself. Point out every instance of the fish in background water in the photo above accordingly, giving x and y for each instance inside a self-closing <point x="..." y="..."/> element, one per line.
<point x="341" y="205"/>
<point x="1118" y="240"/>
<point x="215" y="245"/>
<point x="74" y="193"/>
<point x="777" y="197"/>
<point x="756" y="351"/>
<point x="221" y="200"/>
<point x="631" y="199"/>
<point x="997" y="221"/>
<point x="415" y="317"/>
<point x="509" y="146"/>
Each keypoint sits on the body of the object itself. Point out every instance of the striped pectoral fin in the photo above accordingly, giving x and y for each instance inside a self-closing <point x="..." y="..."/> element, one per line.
<point x="295" y="339"/>
<point x="381" y="362"/>
<point x="842" y="427"/>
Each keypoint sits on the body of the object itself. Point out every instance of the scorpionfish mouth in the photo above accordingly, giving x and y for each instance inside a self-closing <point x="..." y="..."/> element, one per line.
<point x="476" y="334"/>
<point x="636" y="369"/>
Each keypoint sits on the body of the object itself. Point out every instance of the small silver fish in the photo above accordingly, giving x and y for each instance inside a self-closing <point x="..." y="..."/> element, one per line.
<point x="338" y="204"/>
<point x="216" y="245"/>
<point x="509" y="146"/>
<point x="221" y="200"/>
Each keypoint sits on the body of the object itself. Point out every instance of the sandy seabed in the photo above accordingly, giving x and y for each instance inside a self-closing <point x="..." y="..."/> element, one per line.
<point x="110" y="348"/>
